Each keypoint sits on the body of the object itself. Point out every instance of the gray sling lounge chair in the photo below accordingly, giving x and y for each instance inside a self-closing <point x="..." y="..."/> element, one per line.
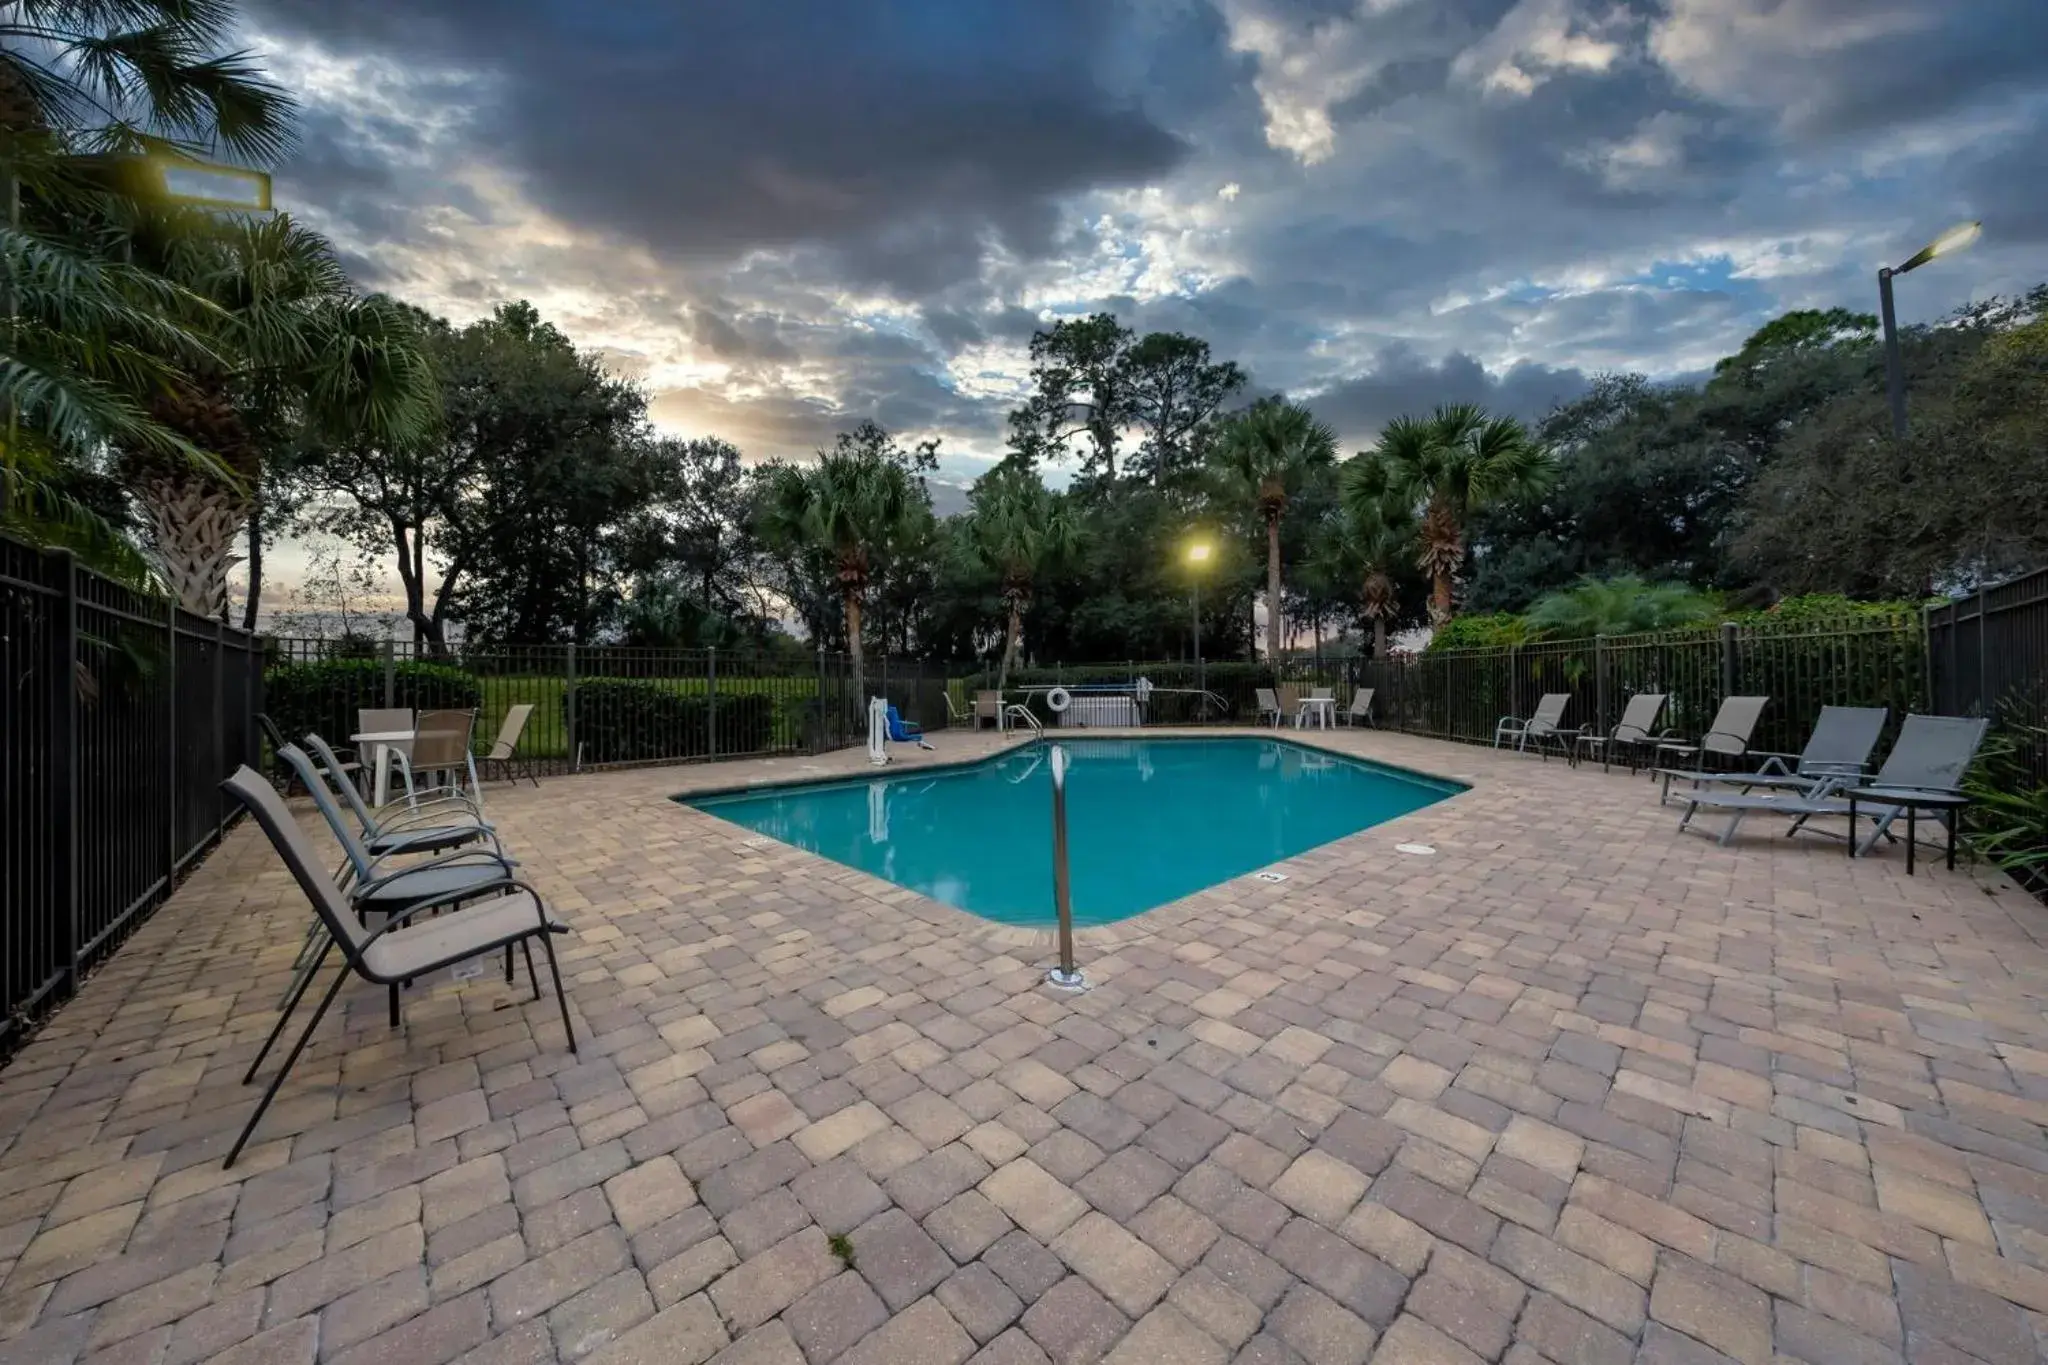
<point x="505" y="758"/>
<point x="1547" y="723"/>
<point x="1932" y="754"/>
<point x="1631" y="733"/>
<point x="384" y="957"/>
<point x="1728" y="736"/>
<point x="1839" y="747"/>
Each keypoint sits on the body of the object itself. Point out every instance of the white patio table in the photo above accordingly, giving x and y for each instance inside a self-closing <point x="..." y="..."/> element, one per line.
<point x="383" y="739"/>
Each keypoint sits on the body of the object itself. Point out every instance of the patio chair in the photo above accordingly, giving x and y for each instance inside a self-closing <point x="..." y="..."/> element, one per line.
<point x="1360" y="709"/>
<point x="384" y="957"/>
<point x="1269" y="704"/>
<point x="376" y="887"/>
<point x="903" y="731"/>
<point x="1728" y="736"/>
<point x="504" y="756"/>
<point x="1839" y="746"/>
<point x="440" y="745"/>
<point x="1931" y="755"/>
<point x="956" y="717"/>
<point x="431" y="827"/>
<point x="1546" y="723"/>
<point x="988" y="706"/>
<point x="283" y="775"/>
<point x="1632" y="732"/>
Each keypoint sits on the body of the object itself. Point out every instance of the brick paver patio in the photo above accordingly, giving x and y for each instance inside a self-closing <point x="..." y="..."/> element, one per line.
<point x="1575" y="1088"/>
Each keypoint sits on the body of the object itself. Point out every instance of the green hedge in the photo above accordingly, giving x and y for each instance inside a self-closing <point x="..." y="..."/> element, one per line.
<point x="628" y="720"/>
<point x="324" y="697"/>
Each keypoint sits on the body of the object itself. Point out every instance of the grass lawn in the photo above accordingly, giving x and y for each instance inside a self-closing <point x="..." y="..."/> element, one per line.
<point x="547" y="735"/>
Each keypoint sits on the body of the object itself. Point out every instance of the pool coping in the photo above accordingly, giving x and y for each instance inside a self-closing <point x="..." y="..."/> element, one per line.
<point x="1041" y="943"/>
<point x="1116" y="734"/>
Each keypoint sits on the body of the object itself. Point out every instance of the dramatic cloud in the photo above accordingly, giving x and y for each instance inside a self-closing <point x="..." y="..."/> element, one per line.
<point x="785" y="218"/>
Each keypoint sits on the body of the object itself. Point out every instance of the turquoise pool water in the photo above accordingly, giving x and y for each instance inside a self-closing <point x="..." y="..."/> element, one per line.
<point x="1148" y="821"/>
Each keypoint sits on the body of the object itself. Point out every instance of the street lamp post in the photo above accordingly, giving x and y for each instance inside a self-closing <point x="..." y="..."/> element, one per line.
<point x="1955" y="239"/>
<point x="1198" y="555"/>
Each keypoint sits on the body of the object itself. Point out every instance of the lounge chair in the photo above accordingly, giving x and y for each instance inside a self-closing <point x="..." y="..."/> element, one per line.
<point x="956" y="717"/>
<point x="1632" y="732"/>
<point x="1839" y="746"/>
<point x="1547" y="723"/>
<point x="516" y="914"/>
<point x="903" y="731"/>
<point x="504" y="757"/>
<point x="1360" y="709"/>
<point x="1931" y="755"/>
<point x="1269" y="704"/>
<point x="1728" y="736"/>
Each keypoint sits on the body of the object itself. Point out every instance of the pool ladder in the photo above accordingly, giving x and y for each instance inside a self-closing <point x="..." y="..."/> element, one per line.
<point x="1018" y="711"/>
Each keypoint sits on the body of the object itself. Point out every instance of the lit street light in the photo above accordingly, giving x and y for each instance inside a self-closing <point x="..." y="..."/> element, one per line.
<point x="1198" y="555"/>
<point x="1955" y="239"/>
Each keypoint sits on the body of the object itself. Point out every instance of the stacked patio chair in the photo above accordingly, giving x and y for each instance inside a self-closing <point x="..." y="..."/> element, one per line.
<point x="1727" y="738"/>
<point x="1546" y="724"/>
<point x="500" y="911"/>
<point x="1631" y="735"/>
<point x="1931" y="755"/>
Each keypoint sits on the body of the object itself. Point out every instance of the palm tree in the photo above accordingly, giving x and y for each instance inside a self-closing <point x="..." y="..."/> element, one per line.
<point x="1619" y="606"/>
<point x="1264" y="453"/>
<point x="298" y="354"/>
<point x="1449" y="464"/>
<point x="89" y="335"/>
<point x="1018" y="529"/>
<point x="1376" y="536"/>
<point x="851" y="507"/>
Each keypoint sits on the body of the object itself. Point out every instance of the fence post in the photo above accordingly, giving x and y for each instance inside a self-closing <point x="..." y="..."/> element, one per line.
<point x="1983" y="676"/>
<point x="1728" y="633"/>
<point x="569" y="709"/>
<point x="390" y="674"/>
<point x="221" y="800"/>
<point x="818" y="733"/>
<point x="170" y="743"/>
<point x="711" y="700"/>
<point x="64" y="766"/>
<point x="1600" y="683"/>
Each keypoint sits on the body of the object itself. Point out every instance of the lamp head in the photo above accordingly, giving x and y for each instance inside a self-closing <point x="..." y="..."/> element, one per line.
<point x="1198" y="552"/>
<point x="1955" y="239"/>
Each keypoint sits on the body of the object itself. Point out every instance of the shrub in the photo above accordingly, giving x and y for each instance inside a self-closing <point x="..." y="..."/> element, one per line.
<point x="631" y="720"/>
<point x="1493" y="630"/>
<point x="324" y="697"/>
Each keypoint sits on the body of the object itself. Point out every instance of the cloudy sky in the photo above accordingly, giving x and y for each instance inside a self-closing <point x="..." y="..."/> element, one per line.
<point x="786" y="215"/>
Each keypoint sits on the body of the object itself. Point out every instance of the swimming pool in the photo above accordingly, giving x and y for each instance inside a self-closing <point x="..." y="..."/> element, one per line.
<point x="1148" y="821"/>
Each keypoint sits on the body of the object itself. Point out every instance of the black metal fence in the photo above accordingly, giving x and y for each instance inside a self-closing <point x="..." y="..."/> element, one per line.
<point x="1462" y="694"/>
<point x="1987" y="655"/>
<point x="597" y="706"/>
<point x="122" y="715"/>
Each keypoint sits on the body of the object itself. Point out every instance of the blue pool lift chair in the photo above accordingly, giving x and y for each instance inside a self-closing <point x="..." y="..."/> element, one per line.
<point x="903" y="731"/>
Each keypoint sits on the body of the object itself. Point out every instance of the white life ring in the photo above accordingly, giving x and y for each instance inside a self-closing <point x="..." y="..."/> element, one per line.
<point x="1058" y="700"/>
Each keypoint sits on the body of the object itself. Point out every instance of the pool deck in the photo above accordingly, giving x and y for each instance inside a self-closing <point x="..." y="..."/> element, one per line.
<point x="1573" y="1088"/>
